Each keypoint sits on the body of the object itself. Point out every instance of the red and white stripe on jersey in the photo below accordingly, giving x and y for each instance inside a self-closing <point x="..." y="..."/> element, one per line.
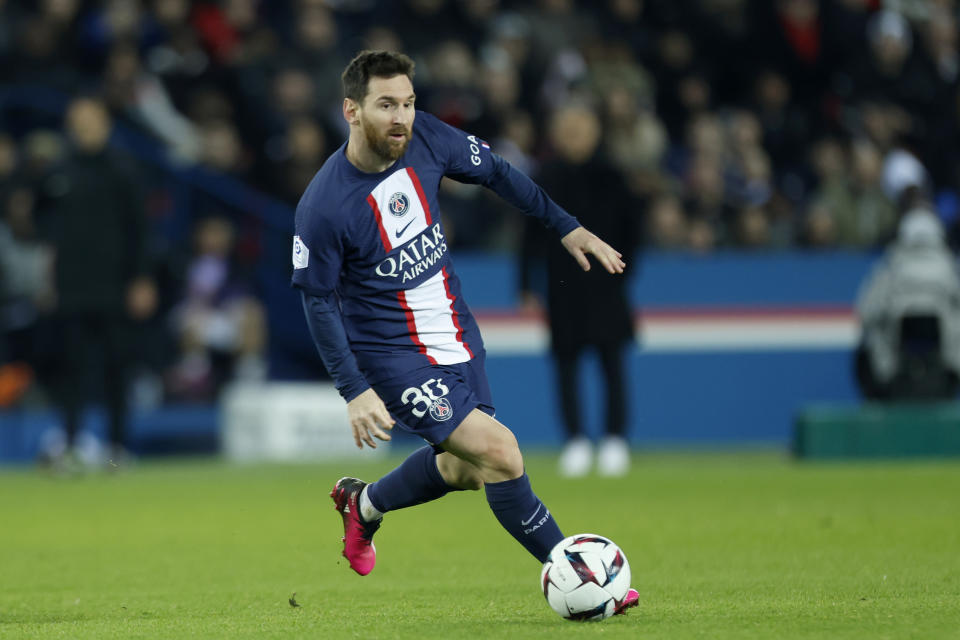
<point x="454" y="316"/>
<point x="432" y="320"/>
<point x="398" y="228"/>
<point x="429" y="307"/>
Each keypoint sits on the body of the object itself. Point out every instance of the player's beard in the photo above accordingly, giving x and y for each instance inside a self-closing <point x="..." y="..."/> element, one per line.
<point x="382" y="145"/>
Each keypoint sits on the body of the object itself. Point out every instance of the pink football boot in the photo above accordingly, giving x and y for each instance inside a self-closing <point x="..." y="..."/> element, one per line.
<point x="357" y="538"/>
<point x="630" y="600"/>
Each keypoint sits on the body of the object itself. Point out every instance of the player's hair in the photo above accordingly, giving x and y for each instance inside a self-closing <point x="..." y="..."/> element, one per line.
<point x="373" y="64"/>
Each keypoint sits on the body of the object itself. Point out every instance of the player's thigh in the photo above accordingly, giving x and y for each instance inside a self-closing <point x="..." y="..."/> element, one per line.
<point x="483" y="441"/>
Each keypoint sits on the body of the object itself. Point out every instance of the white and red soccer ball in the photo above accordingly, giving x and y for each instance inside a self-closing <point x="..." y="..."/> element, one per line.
<point x="586" y="577"/>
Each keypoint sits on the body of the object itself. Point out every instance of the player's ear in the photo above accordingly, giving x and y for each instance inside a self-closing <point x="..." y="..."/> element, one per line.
<point x="350" y="111"/>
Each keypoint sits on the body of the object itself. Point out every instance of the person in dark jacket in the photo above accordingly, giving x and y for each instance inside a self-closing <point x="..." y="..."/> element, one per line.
<point x="584" y="309"/>
<point x="97" y="227"/>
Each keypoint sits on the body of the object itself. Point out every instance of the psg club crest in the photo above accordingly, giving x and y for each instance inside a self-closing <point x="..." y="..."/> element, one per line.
<point x="440" y="410"/>
<point x="399" y="204"/>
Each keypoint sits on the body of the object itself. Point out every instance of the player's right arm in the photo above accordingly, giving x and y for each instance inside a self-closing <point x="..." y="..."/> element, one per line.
<point x="318" y="257"/>
<point x="367" y="413"/>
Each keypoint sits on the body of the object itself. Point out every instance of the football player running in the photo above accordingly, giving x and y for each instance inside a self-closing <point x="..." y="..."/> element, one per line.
<point x="385" y="310"/>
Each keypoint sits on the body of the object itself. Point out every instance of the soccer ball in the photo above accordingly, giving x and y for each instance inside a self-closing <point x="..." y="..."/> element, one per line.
<point x="585" y="577"/>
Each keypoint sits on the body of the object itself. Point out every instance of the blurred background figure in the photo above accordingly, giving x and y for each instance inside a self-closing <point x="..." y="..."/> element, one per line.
<point x="26" y="293"/>
<point x="102" y="273"/>
<point x="585" y="310"/>
<point x="218" y="324"/>
<point x="909" y="311"/>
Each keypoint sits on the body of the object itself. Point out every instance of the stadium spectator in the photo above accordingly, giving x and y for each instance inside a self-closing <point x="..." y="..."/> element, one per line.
<point x="233" y="32"/>
<point x="786" y="128"/>
<point x="851" y="201"/>
<point x="139" y="96"/>
<point x="223" y="149"/>
<point x="452" y="91"/>
<point x="707" y="201"/>
<point x="870" y="217"/>
<point x="176" y="55"/>
<point x="587" y="311"/>
<point x="296" y="157"/>
<point x="102" y="273"/>
<point x="408" y="17"/>
<point x="9" y="158"/>
<point x="267" y="118"/>
<point x="26" y="274"/>
<point x="26" y="293"/>
<point x="891" y="67"/>
<point x="828" y="164"/>
<point x="683" y="90"/>
<point x="316" y="49"/>
<point x="624" y="21"/>
<point x="218" y="322"/>
<point x="635" y="139"/>
<point x="937" y="146"/>
<point x="795" y="38"/>
<point x="752" y="228"/>
<point x="666" y="223"/>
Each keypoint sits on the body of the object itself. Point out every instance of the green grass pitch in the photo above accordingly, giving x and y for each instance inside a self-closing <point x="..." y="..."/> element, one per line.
<point x="733" y="545"/>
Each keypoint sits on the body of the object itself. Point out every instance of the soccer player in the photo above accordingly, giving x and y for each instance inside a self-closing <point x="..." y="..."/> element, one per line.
<point x="384" y="307"/>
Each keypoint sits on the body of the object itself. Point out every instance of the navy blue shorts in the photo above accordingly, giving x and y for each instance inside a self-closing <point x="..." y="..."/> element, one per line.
<point x="432" y="401"/>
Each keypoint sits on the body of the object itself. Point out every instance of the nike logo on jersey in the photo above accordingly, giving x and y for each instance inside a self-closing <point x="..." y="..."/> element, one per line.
<point x="405" y="227"/>
<point x="530" y="519"/>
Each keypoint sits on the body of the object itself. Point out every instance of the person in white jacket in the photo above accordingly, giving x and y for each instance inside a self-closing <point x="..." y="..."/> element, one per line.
<point x="909" y="311"/>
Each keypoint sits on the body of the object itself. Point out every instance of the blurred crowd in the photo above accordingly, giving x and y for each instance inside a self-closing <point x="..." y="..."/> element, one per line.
<point x="750" y="124"/>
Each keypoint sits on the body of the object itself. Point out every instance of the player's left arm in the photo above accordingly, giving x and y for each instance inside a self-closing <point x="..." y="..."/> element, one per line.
<point x="469" y="159"/>
<point x="517" y="188"/>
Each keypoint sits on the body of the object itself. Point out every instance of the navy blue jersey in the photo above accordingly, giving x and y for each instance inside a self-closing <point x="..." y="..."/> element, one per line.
<point x="376" y="240"/>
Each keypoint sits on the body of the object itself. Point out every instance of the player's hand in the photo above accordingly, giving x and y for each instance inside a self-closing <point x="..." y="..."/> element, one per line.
<point x="580" y="242"/>
<point x="369" y="417"/>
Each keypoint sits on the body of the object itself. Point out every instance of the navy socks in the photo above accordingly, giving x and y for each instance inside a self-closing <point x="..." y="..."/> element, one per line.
<point x="415" y="481"/>
<point x="522" y="514"/>
<point x="519" y="510"/>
